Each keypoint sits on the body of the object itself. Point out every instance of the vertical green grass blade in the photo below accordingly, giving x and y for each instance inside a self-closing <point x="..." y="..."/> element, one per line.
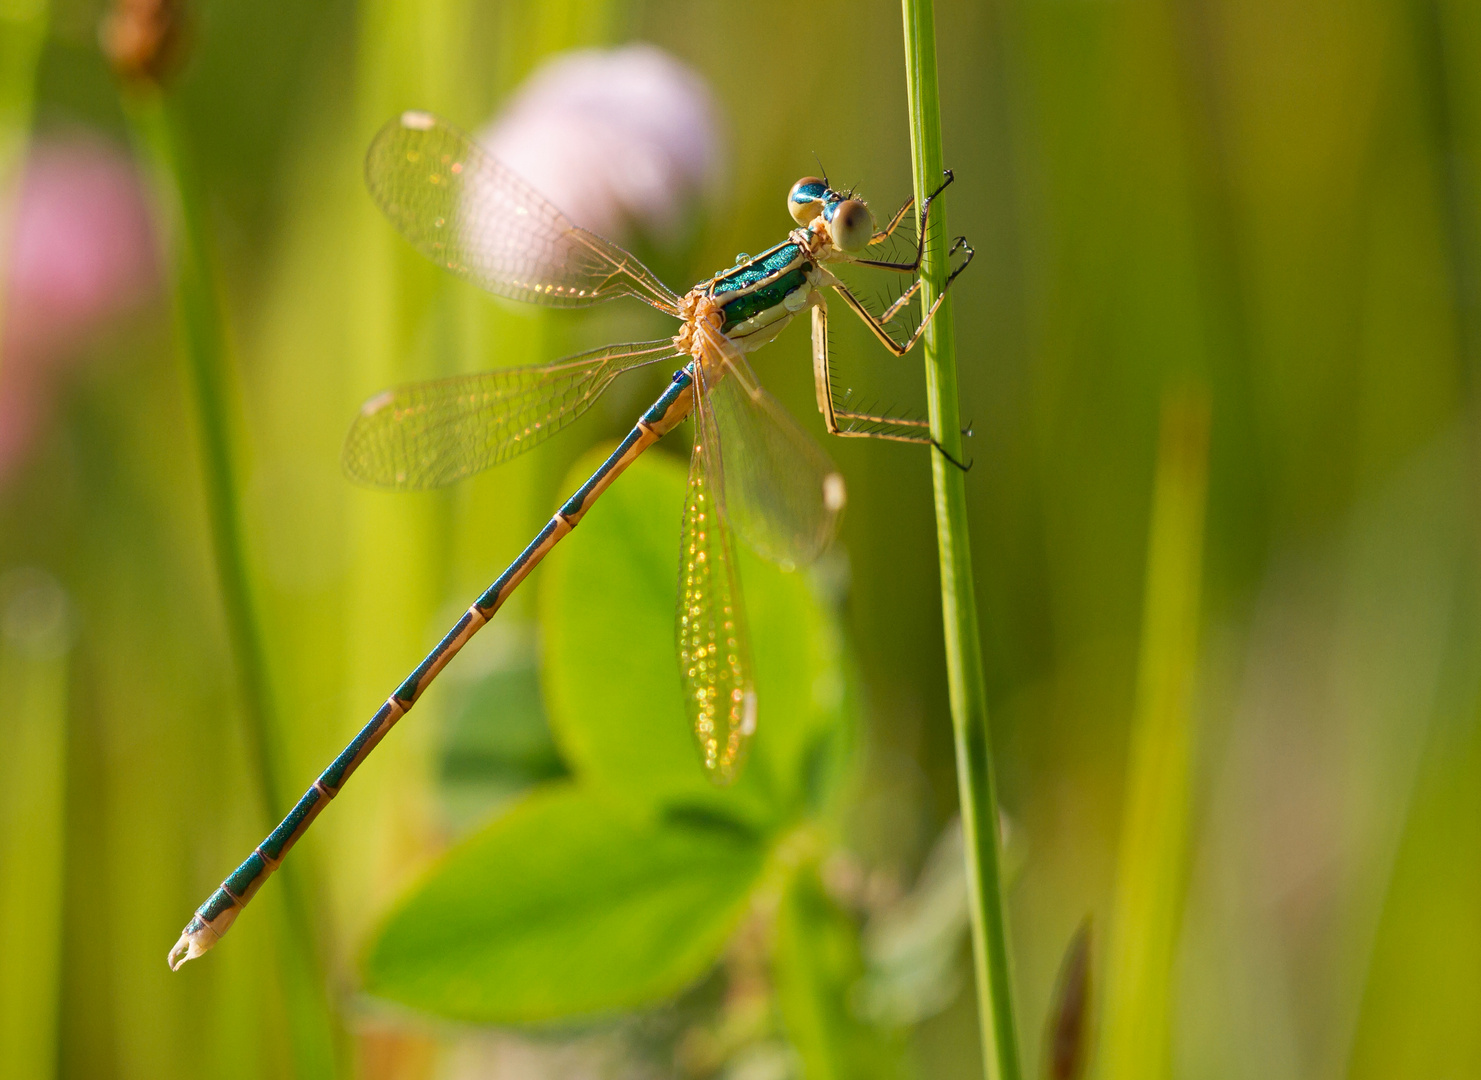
<point x="23" y="25"/>
<point x="211" y="391"/>
<point x="964" y="671"/>
<point x="34" y="636"/>
<point x="401" y="325"/>
<point x="1149" y="890"/>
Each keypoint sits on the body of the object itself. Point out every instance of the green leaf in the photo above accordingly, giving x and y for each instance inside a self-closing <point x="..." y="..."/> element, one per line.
<point x="611" y="677"/>
<point x="816" y="966"/>
<point x="495" y="740"/>
<point x="571" y="905"/>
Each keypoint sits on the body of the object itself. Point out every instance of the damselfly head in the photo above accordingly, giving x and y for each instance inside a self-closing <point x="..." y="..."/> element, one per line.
<point x="850" y="224"/>
<point x="806" y="198"/>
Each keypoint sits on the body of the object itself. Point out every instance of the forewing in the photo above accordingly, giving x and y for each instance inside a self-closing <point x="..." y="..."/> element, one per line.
<point x="714" y="661"/>
<point x="783" y="493"/>
<point x="468" y="213"/>
<point x="430" y="434"/>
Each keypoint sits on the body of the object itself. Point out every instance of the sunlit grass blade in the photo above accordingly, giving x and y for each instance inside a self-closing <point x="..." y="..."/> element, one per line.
<point x="210" y="389"/>
<point x="23" y="25"/>
<point x="1154" y="837"/>
<point x="34" y="641"/>
<point x="964" y="672"/>
<point x="401" y="320"/>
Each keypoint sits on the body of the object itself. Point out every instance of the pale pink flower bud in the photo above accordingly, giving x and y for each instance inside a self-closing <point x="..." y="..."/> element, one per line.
<point x="82" y="251"/>
<point x="612" y="137"/>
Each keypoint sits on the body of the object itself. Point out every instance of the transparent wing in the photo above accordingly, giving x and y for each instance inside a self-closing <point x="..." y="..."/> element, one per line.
<point x="467" y="212"/>
<point x="783" y="493"/>
<point x="429" y="434"/>
<point x="714" y="660"/>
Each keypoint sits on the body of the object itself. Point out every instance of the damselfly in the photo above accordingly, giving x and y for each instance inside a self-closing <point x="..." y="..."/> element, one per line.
<point x="752" y="468"/>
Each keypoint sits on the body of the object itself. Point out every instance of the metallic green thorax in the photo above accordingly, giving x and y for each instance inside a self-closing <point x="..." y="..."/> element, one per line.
<point x="762" y="283"/>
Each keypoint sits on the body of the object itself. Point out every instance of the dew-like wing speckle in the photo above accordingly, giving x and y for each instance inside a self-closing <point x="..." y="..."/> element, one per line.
<point x="714" y="660"/>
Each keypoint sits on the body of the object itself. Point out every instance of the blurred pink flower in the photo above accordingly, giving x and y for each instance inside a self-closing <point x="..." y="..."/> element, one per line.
<point x="81" y="252"/>
<point x="612" y="137"/>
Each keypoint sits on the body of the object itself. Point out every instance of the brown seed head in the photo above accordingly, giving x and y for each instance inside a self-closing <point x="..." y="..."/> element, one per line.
<point x="143" y="38"/>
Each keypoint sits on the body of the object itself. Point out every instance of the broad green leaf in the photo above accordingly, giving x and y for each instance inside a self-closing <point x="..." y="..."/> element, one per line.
<point x="816" y="966"/>
<point x="570" y="905"/>
<point x="611" y="676"/>
<point x="495" y="741"/>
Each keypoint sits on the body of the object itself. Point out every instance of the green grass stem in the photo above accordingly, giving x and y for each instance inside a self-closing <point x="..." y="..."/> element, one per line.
<point x="1134" y="1044"/>
<point x="23" y="26"/>
<point x="34" y="644"/>
<point x="210" y="391"/>
<point x="966" y="682"/>
<point x="213" y="398"/>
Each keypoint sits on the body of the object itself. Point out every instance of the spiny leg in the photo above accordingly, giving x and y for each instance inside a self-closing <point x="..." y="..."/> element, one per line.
<point x="920" y="240"/>
<point x="823" y="382"/>
<point x="900" y="302"/>
<point x="878" y="324"/>
<point x="889" y="230"/>
<point x="879" y="426"/>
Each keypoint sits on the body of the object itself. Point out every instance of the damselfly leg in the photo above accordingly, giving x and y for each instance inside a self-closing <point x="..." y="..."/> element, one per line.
<point x="920" y="239"/>
<point x="877" y="323"/>
<point x="889" y="230"/>
<point x="851" y="423"/>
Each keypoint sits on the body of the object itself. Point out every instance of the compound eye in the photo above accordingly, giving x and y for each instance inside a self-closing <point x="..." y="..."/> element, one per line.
<point x="852" y="225"/>
<point x="805" y="200"/>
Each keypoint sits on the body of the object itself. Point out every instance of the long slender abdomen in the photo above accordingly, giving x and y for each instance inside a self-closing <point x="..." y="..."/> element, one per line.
<point x="213" y="918"/>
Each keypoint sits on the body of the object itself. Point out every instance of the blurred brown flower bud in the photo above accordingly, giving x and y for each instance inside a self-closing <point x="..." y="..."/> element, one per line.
<point x="143" y="38"/>
<point x="614" y="137"/>
<point x="1067" y="1031"/>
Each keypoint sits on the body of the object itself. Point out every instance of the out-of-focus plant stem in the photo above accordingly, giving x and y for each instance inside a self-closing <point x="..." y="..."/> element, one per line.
<point x="1154" y="838"/>
<point x="1067" y="1029"/>
<point x="211" y="394"/>
<point x="23" y="25"/>
<point x="35" y="637"/>
<point x="209" y="385"/>
<point x="965" y="678"/>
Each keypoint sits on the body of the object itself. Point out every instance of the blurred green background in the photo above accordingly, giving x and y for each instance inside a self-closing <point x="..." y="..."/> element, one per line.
<point x="1276" y="203"/>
